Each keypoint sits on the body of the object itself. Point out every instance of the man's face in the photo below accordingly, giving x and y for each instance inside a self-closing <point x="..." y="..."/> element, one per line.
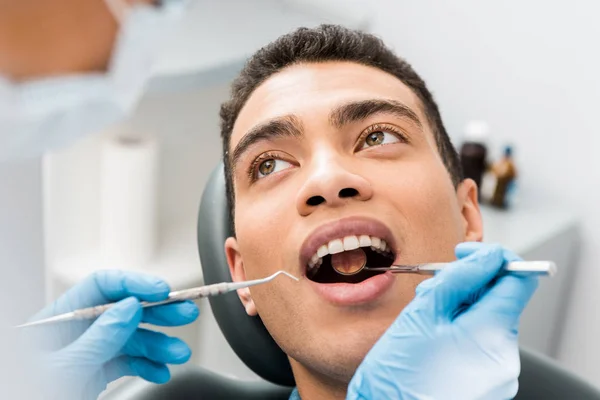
<point x="333" y="151"/>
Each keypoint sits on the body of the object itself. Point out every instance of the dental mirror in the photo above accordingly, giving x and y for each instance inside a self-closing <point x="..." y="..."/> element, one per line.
<point x="349" y="262"/>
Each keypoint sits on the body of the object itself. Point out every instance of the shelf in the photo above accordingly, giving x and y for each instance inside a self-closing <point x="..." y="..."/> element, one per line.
<point x="527" y="225"/>
<point x="215" y="38"/>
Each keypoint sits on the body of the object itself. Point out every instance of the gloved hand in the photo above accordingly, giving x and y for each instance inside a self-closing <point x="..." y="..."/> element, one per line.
<point x="457" y="339"/>
<point x="78" y="359"/>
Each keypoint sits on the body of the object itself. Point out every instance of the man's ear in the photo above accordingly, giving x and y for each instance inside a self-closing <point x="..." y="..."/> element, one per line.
<point x="471" y="214"/>
<point x="238" y="274"/>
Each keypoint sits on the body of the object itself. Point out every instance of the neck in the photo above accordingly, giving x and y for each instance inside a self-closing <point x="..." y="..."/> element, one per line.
<point x="312" y="385"/>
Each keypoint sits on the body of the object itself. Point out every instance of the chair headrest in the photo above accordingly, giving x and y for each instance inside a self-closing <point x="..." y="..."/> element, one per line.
<point x="246" y="335"/>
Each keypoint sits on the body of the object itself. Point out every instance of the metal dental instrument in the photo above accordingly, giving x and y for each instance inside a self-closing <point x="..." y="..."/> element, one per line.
<point x="181" y="295"/>
<point x="541" y="268"/>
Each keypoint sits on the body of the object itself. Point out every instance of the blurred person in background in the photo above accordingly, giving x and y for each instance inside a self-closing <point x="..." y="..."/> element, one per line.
<point x="68" y="68"/>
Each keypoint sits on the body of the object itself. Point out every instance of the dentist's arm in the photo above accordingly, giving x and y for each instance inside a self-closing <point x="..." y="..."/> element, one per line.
<point x="79" y="359"/>
<point x="41" y="38"/>
<point x="458" y="338"/>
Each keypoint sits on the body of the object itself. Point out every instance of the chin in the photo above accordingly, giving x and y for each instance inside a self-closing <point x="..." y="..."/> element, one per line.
<point x="356" y="339"/>
<point x="334" y="361"/>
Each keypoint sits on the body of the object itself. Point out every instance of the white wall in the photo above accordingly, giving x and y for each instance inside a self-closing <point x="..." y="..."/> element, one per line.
<point x="21" y="239"/>
<point x="531" y="68"/>
<point x="21" y="265"/>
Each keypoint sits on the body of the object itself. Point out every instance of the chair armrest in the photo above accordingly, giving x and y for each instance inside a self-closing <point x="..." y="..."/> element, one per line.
<point x="543" y="378"/>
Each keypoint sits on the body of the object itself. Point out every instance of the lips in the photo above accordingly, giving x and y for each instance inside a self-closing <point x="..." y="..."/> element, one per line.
<point x="349" y="294"/>
<point x="353" y="294"/>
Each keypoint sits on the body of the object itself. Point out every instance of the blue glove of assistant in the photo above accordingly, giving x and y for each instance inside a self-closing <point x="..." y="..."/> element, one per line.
<point x="457" y="339"/>
<point x="79" y="359"/>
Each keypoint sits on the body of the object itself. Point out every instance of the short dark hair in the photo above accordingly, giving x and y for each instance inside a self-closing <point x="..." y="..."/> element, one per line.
<point x="322" y="44"/>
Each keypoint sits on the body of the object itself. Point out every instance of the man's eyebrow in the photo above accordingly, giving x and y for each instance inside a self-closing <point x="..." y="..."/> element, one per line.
<point x="285" y="126"/>
<point x="361" y="110"/>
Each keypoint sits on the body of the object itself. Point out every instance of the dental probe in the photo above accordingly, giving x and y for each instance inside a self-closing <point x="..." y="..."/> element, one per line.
<point x="541" y="268"/>
<point x="181" y="295"/>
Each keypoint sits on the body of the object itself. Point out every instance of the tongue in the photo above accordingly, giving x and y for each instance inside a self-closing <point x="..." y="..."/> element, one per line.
<point x="349" y="262"/>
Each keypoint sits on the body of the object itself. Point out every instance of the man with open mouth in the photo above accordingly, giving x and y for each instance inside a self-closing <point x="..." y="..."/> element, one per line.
<point x="335" y="153"/>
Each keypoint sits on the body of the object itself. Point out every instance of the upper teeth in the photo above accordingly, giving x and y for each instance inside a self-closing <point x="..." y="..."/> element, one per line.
<point x="347" y="243"/>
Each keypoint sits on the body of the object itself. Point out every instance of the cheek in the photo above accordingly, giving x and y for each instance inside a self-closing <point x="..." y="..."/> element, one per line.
<point x="421" y="184"/>
<point x="259" y="229"/>
<point x="426" y="199"/>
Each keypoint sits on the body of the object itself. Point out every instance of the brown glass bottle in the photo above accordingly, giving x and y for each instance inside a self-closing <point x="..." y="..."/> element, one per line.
<point x="505" y="173"/>
<point x="473" y="152"/>
<point x="473" y="160"/>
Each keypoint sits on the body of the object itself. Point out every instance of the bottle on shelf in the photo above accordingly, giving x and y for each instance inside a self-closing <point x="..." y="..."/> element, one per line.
<point x="505" y="174"/>
<point x="473" y="152"/>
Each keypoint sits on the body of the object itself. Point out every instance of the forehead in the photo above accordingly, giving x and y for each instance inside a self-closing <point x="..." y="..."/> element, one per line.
<point x="310" y="91"/>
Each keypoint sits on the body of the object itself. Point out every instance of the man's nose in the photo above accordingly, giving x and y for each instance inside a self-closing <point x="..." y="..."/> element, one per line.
<point x="330" y="184"/>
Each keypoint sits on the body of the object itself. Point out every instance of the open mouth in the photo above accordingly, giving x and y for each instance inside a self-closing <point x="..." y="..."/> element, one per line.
<point x="352" y="253"/>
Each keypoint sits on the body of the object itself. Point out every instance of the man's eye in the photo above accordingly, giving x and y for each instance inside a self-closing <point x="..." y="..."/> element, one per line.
<point x="377" y="138"/>
<point x="271" y="165"/>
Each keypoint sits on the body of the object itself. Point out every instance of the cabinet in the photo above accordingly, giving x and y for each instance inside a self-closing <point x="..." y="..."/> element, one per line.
<point x="542" y="230"/>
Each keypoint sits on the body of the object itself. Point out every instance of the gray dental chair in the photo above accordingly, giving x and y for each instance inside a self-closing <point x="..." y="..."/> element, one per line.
<point x="541" y="378"/>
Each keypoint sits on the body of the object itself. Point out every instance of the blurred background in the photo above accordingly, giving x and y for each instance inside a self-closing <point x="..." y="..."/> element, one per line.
<point x="526" y="70"/>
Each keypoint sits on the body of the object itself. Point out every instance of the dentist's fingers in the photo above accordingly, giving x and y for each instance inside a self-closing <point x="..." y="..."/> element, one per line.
<point x="134" y="366"/>
<point x="107" y="286"/>
<point x="157" y="347"/>
<point x="175" y="314"/>
<point x="457" y="283"/>
<point x="465" y="249"/>
<point x="505" y="299"/>
<point x="109" y="333"/>
<point x="115" y="285"/>
<point x="503" y="303"/>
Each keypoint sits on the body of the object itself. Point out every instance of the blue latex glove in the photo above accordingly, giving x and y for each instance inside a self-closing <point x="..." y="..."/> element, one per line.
<point x="79" y="359"/>
<point x="457" y="339"/>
